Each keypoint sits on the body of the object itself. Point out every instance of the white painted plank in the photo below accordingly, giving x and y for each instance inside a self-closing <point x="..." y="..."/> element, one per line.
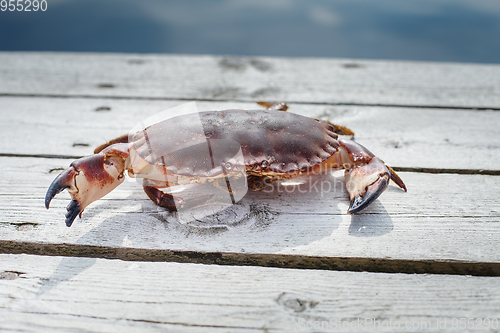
<point x="402" y="137"/>
<point x="441" y="217"/>
<point x="95" y="295"/>
<point x="311" y="80"/>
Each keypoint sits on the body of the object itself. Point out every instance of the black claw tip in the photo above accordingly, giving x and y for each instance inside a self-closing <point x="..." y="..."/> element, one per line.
<point x="58" y="185"/>
<point x="73" y="211"/>
<point x="54" y="189"/>
<point x="373" y="192"/>
<point x="356" y="205"/>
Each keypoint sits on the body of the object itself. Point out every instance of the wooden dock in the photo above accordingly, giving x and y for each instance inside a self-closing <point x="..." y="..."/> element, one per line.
<point x="285" y="261"/>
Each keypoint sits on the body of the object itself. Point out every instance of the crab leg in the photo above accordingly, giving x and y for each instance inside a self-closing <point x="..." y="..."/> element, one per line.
<point x="366" y="176"/>
<point x="172" y="203"/>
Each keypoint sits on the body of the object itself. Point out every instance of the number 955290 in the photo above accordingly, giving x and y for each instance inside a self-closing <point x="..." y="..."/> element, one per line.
<point x="23" y="5"/>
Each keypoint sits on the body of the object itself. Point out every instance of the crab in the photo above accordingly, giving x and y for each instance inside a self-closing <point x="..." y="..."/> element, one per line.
<point x="260" y="146"/>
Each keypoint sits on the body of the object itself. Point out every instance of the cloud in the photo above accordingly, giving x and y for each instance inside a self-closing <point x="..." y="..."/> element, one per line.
<point x="324" y="16"/>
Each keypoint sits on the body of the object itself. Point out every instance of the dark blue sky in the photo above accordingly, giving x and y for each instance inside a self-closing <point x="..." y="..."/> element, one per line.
<point x="444" y="30"/>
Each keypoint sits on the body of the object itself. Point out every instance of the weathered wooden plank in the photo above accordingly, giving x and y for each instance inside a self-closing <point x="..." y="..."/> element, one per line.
<point x="39" y="293"/>
<point x="403" y="137"/>
<point x="251" y="78"/>
<point x="441" y="217"/>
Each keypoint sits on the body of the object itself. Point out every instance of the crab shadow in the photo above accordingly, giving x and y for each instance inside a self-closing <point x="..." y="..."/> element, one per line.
<point x="375" y="222"/>
<point x="266" y="222"/>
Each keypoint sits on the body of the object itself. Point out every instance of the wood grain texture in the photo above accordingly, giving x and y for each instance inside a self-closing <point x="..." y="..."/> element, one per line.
<point x="39" y="293"/>
<point x="66" y="104"/>
<point x="248" y="78"/>
<point x="402" y="137"/>
<point x="441" y="217"/>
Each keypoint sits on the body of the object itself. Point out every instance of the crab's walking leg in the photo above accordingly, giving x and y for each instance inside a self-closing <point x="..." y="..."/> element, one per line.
<point x="120" y="139"/>
<point x="279" y="106"/>
<point x="366" y="175"/>
<point x="164" y="200"/>
<point x="171" y="203"/>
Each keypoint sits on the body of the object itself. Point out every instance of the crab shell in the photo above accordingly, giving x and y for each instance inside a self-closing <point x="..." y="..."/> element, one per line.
<point x="271" y="142"/>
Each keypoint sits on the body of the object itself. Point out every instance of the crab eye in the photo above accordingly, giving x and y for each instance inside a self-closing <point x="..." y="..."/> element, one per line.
<point x="228" y="166"/>
<point x="265" y="164"/>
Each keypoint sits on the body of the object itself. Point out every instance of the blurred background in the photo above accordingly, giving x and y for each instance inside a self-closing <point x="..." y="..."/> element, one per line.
<point x="429" y="30"/>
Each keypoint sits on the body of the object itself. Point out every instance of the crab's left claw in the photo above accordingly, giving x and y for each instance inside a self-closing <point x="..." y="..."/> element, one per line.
<point x="87" y="180"/>
<point x="65" y="180"/>
<point x="367" y="182"/>
<point x="59" y="184"/>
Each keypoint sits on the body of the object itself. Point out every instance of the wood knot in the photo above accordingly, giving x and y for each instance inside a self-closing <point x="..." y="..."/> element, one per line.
<point x="103" y="109"/>
<point x="9" y="275"/>
<point x="295" y="302"/>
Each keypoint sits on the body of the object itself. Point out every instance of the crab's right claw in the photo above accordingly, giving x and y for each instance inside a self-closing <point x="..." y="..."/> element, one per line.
<point x="373" y="191"/>
<point x="367" y="182"/>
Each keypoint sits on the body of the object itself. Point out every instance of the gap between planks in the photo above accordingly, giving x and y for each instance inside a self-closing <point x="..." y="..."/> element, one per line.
<point x="139" y="98"/>
<point x="376" y="265"/>
<point x="396" y="168"/>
